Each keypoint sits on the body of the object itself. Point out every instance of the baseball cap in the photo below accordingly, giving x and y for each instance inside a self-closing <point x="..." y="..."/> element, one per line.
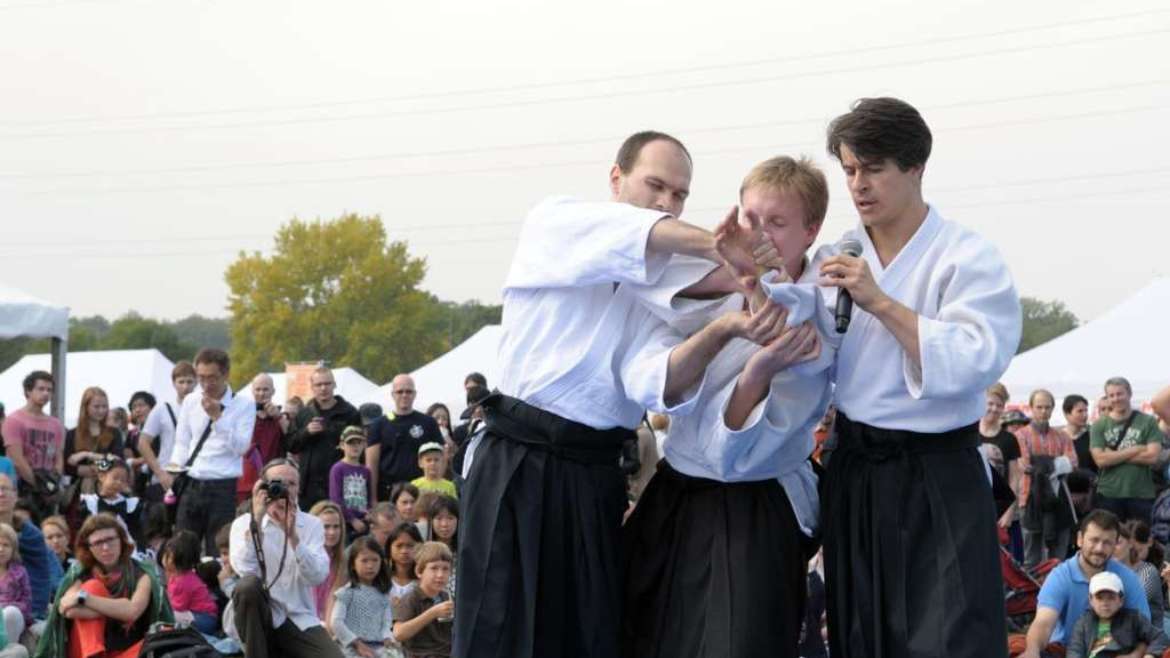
<point x="1014" y="417"/>
<point x="1106" y="581"/>
<point x="370" y="412"/>
<point x="429" y="446"/>
<point x="353" y="433"/>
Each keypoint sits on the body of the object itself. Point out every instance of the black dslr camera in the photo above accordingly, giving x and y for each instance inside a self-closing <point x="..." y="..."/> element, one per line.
<point x="276" y="489"/>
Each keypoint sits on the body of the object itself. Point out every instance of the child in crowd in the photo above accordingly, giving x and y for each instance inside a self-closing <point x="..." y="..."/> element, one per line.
<point x="185" y="589"/>
<point x="423" y="617"/>
<point x="404" y="495"/>
<point x="113" y="478"/>
<point x="403" y="541"/>
<point x="15" y="590"/>
<point x="383" y="519"/>
<point x="227" y="578"/>
<point x="360" y="617"/>
<point x="444" y="527"/>
<point x="422" y="511"/>
<point x="1108" y="629"/>
<point x="430" y="460"/>
<point x="56" y="531"/>
<point x="350" y="483"/>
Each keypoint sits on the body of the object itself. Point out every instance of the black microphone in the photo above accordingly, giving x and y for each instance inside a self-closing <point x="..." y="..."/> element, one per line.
<point x="844" y="310"/>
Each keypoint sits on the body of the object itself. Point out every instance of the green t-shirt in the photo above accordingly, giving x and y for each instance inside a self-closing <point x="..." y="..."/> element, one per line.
<point x="445" y="487"/>
<point x="1126" y="480"/>
<point x="1104" y="637"/>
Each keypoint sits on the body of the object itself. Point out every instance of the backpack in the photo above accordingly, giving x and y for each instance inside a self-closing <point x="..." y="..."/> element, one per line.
<point x="169" y="641"/>
<point x="1160" y="517"/>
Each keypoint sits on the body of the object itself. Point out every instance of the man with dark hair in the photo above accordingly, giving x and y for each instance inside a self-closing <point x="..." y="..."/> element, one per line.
<point x="581" y="359"/>
<point x="1076" y="416"/>
<point x="1125" y="444"/>
<point x="214" y="431"/>
<point x="35" y="440"/>
<point x="936" y="321"/>
<point x="1064" y="597"/>
<point x="474" y="379"/>
<point x="317" y="435"/>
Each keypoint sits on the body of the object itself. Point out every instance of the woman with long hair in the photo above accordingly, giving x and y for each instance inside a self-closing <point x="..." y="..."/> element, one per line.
<point x="1133" y="550"/>
<point x="85" y="445"/>
<point x="333" y="522"/>
<point x="107" y="601"/>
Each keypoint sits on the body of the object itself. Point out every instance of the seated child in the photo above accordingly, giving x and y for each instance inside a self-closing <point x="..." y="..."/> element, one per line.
<point x="1107" y="630"/>
<point x="185" y="589"/>
<point x="423" y="616"/>
<point x="430" y="460"/>
<point x="15" y="591"/>
<point x="360" y="616"/>
<point x="113" y="478"/>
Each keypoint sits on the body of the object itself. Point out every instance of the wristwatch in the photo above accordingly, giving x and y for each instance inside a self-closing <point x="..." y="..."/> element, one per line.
<point x="82" y="598"/>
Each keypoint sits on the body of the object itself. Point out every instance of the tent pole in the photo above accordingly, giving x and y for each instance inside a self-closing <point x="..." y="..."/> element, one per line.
<point x="60" y="347"/>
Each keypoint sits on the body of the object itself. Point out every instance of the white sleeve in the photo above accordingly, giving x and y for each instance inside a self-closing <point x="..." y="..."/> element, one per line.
<point x="780" y="427"/>
<point x="388" y="620"/>
<point x="645" y="365"/>
<point x="183" y="434"/>
<point x="153" y="425"/>
<point x="682" y="313"/>
<point x="237" y="423"/>
<point x="240" y="551"/>
<point x="312" y="560"/>
<point x="967" y="346"/>
<point x="570" y="243"/>
<point x="345" y="637"/>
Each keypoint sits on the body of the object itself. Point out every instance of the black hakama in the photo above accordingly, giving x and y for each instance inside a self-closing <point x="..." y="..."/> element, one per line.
<point x="713" y="570"/>
<point x="911" y="562"/>
<point x="539" y="567"/>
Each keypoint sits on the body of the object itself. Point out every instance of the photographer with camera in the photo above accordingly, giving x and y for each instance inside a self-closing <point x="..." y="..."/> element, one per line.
<point x="279" y="553"/>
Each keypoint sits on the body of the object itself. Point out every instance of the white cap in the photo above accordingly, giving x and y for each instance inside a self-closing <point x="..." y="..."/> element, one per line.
<point x="1106" y="581"/>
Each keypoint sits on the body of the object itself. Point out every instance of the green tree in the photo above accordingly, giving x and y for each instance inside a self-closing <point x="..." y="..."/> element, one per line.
<point x="458" y="322"/>
<point x="204" y="332"/>
<point x="134" y="332"/>
<point x="333" y="291"/>
<point x="1044" y="321"/>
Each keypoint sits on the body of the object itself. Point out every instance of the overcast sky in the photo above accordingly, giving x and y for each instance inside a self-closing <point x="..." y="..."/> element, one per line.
<point x="144" y="144"/>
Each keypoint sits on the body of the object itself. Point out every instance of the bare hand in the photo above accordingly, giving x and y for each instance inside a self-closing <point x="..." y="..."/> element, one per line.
<point x="851" y="273"/>
<point x="735" y="242"/>
<point x="259" y="500"/>
<point x="363" y="650"/>
<point x="761" y="326"/>
<point x="444" y="610"/>
<point x="795" y="346"/>
<point x="316" y="426"/>
<point x="166" y="480"/>
<point x="768" y="258"/>
<point x="212" y="408"/>
<point x="359" y="526"/>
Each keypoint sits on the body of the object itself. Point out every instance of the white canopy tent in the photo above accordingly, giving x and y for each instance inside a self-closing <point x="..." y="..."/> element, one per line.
<point x="120" y="373"/>
<point x="22" y="314"/>
<point x="1127" y="341"/>
<point x="441" y="380"/>
<point x="351" y="385"/>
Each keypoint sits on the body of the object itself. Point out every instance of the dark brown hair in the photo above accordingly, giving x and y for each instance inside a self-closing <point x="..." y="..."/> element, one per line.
<point x="879" y="128"/>
<point x="627" y="155"/>
<point x="212" y="355"/>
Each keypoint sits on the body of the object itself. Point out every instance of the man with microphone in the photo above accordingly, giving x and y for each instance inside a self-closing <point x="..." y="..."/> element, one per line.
<point x="908" y="518"/>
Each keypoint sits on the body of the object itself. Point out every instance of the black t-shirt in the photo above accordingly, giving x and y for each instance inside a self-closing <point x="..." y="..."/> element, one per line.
<point x="1084" y="455"/>
<point x="1008" y="445"/>
<point x="400" y="438"/>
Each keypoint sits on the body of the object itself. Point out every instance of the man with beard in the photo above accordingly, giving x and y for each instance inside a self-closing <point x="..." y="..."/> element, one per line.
<point x="1064" y="597"/>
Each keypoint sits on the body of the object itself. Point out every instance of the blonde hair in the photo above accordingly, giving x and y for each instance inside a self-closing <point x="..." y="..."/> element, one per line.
<point x="9" y="533"/>
<point x="800" y="177"/>
<point x="336" y="553"/>
<point x="431" y="551"/>
<point x="998" y="390"/>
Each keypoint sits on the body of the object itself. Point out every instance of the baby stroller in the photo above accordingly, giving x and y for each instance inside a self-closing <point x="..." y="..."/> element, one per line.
<point x="1022" y="586"/>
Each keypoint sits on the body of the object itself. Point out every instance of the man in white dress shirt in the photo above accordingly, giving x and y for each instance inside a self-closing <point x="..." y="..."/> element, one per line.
<point x="911" y="561"/>
<point x="273" y="611"/>
<point x="215" y="427"/>
<point x="539" y="542"/>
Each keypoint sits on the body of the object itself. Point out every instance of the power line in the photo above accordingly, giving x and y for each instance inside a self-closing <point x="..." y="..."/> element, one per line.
<point x="673" y="89"/>
<point x="596" y="79"/>
<point x="405" y="155"/>
<point x="499" y="169"/>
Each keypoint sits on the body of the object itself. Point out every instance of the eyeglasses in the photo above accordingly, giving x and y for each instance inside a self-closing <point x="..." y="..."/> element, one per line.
<point x="108" y="542"/>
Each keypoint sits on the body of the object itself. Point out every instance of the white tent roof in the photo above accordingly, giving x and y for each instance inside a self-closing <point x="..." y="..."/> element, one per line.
<point x="120" y="373"/>
<point x="351" y="385"/>
<point x="22" y="314"/>
<point x="441" y="380"/>
<point x="1128" y="341"/>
